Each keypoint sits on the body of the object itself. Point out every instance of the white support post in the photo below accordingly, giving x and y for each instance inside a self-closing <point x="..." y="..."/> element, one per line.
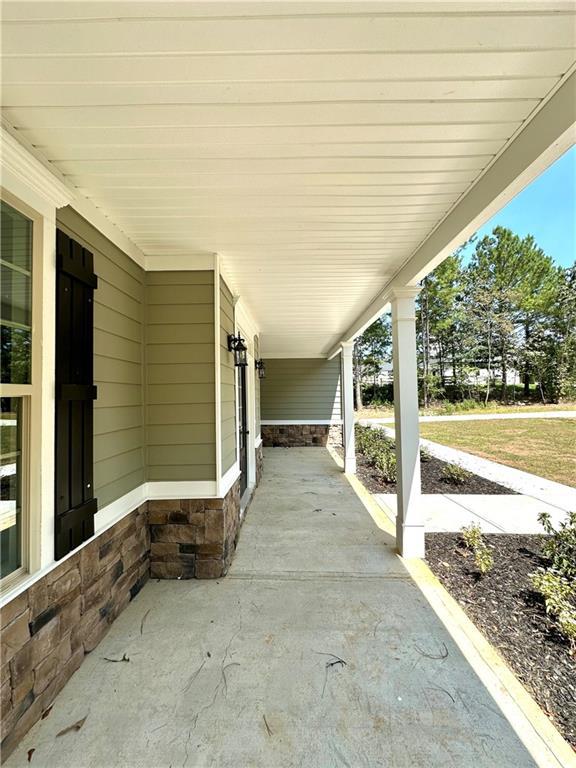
<point x="348" y="408"/>
<point x="409" y="518"/>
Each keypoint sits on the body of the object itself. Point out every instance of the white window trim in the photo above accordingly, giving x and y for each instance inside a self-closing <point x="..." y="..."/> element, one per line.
<point x="33" y="435"/>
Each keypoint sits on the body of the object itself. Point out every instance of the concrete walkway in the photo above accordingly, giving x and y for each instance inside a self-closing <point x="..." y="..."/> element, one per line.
<point x="449" y="512"/>
<point x="317" y="650"/>
<point x="537" y="494"/>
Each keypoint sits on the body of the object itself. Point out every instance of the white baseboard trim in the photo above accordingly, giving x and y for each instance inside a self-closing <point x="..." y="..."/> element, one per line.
<point x="304" y="422"/>
<point x="228" y="479"/>
<point x="114" y="512"/>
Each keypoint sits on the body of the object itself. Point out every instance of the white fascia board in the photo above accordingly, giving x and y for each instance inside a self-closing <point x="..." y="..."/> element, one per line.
<point x="190" y="262"/>
<point x="542" y="140"/>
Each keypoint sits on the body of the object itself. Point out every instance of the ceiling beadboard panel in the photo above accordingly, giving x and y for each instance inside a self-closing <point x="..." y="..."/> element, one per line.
<point x="314" y="146"/>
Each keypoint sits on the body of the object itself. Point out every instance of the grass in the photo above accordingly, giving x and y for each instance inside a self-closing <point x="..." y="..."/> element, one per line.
<point x="447" y="409"/>
<point x="543" y="447"/>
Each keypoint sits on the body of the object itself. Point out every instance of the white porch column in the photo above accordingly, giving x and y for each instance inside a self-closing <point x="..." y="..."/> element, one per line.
<point x="409" y="519"/>
<point x="347" y="380"/>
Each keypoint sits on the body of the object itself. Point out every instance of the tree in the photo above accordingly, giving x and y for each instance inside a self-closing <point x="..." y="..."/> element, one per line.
<point x="511" y="283"/>
<point x="371" y="351"/>
<point x="437" y="320"/>
<point x="551" y="348"/>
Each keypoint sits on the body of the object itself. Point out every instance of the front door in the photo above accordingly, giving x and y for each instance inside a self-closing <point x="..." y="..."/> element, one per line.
<point x="243" y="429"/>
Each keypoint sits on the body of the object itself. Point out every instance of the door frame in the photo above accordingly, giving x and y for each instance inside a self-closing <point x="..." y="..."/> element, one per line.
<point x="250" y="414"/>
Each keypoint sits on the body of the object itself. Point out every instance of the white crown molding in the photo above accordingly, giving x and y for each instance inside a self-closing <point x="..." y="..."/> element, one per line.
<point x="245" y="319"/>
<point x="404" y="291"/>
<point x="106" y="227"/>
<point x="16" y="159"/>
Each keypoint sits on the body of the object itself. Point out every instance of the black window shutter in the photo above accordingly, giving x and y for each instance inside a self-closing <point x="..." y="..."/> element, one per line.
<point x="75" y="505"/>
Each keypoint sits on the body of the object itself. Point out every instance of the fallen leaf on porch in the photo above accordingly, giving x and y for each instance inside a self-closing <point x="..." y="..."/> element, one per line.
<point x="30" y="753"/>
<point x="46" y="712"/>
<point x="269" y="730"/>
<point x="115" y="661"/>
<point x="74" y="727"/>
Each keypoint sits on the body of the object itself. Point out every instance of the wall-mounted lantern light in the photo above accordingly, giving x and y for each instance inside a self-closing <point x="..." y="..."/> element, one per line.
<point x="236" y="344"/>
<point x="261" y="368"/>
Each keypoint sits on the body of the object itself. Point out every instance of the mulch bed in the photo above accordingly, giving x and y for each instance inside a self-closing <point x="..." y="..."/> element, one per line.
<point x="512" y="616"/>
<point x="432" y="480"/>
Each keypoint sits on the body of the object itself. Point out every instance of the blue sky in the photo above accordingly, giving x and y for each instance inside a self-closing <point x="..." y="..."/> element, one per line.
<point x="546" y="209"/>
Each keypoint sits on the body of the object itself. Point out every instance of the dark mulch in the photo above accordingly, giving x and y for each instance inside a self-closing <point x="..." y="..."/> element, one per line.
<point x="512" y="616"/>
<point x="432" y="480"/>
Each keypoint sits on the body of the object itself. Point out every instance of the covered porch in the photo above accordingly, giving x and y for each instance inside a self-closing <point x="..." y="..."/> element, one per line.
<point x="195" y="195"/>
<point x="247" y="671"/>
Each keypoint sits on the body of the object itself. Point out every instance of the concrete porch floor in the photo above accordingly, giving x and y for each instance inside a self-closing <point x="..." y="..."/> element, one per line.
<point x="234" y="672"/>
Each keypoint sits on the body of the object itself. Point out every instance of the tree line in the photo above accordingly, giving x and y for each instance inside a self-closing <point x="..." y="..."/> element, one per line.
<point x="507" y="313"/>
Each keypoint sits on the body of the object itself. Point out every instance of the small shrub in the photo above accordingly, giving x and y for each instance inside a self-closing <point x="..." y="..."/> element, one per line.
<point x="560" y="548"/>
<point x="557" y="584"/>
<point x="558" y="593"/>
<point x="385" y="463"/>
<point x="474" y="540"/>
<point x="455" y="475"/>
<point x="425" y="454"/>
<point x="378" y="449"/>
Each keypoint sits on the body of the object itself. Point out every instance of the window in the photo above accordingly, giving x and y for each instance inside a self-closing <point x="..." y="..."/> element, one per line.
<point x="17" y="373"/>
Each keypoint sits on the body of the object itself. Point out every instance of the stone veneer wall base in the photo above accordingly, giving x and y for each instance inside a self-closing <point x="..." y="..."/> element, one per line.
<point x="193" y="538"/>
<point x="47" y="630"/>
<point x="301" y="435"/>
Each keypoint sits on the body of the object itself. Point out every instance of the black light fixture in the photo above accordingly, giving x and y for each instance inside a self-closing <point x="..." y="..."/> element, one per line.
<point x="237" y="345"/>
<point x="261" y="368"/>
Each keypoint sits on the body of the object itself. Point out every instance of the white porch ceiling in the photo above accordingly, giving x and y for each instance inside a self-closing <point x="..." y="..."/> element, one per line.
<point x="313" y="145"/>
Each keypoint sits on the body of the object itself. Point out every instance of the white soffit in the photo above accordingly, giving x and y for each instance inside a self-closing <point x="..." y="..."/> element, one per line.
<point x="314" y="146"/>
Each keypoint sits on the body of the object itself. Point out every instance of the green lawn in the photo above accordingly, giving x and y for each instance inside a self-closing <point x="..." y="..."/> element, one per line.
<point x="543" y="447"/>
<point x="447" y="410"/>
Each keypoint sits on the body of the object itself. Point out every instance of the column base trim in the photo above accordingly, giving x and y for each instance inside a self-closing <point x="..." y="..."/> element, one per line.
<point x="350" y="465"/>
<point x="410" y="540"/>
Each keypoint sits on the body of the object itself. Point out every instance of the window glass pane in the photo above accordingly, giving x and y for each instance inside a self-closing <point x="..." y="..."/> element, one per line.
<point x="16" y="311"/>
<point x="10" y="484"/>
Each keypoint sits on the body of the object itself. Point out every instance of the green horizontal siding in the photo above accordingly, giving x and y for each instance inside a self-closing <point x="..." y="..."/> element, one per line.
<point x="119" y="460"/>
<point x="227" y="380"/>
<point x="180" y="376"/>
<point x="301" y="388"/>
